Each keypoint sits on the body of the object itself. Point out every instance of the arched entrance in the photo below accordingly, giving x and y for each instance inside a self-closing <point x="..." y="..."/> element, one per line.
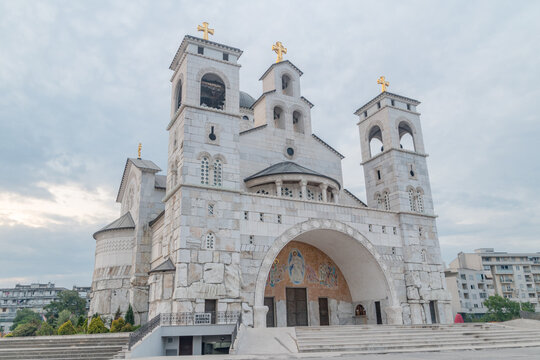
<point x="368" y="279"/>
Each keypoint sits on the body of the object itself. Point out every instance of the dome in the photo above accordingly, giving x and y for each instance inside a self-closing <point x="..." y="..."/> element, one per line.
<point x="246" y="100"/>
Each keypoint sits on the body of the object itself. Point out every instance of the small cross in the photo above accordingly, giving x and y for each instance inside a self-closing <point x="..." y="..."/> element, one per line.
<point x="384" y="83"/>
<point x="280" y="50"/>
<point x="139" y="150"/>
<point x="205" y="30"/>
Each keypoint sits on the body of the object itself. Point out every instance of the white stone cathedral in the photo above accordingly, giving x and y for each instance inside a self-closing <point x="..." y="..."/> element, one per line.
<point x="253" y="217"/>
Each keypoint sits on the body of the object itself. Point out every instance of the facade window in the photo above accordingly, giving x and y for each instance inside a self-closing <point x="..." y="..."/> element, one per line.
<point x="200" y="50"/>
<point x="379" y="105"/>
<point x="279" y="122"/>
<point x="409" y="107"/>
<point x="210" y="209"/>
<point x="393" y="251"/>
<point x="279" y="219"/>
<point x="393" y="102"/>
<point x="370" y="228"/>
<point x="412" y="202"/>
<point x="205" y="170"/>
<point x="285" y="191"/>
<point x="384" y="229"/>
<point x="179" y="95"/>
<point x="261" y="217"/>
<point x="251" y="239"/>
<point x="225" y="57"/>
<point x="420" y="200"/>
<point x="210" y="241"/>
<point x="310" y="195"/>
<point x="394" y="229"/>
<point x="262" y="192"/>
<point x="420" y="231"/>
<point x="217" y="172"/>
<point x="320" y="197"/>
<point x="246" y="215"/>
<point x="386" y="201"/>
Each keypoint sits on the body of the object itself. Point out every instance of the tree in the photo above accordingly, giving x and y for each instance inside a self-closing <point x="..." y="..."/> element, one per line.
<point x="64" y="316"/>
<point x="117" y="325"/>
<point x="117" y="314"/>
<point x="501" y="309"/>
<point x="96" y="326"/>
<point x="28" y="329"/>
<point x="67" y="300"/>
<point x="130" y="318"/>
<point x="25" y="316"/>
<point x="45" y="330"/>
<point x="527" y="306"/>
<point x="67" y="329"/>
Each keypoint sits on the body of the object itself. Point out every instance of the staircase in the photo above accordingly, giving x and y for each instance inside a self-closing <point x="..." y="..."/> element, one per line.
<point x="394" y="339"/>
<point x="96" y="347"/>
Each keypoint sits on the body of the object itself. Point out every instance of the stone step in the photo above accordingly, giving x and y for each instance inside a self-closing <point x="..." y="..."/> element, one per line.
<point x="319" y="337"/>
<point x="357" y="341"/>
<point x="407" y="342"/>
<point x="414" y="345"/>
<point x="23" y="345"/>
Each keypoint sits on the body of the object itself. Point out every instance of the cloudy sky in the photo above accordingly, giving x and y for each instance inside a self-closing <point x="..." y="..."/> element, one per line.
<point x="82" y="83"/>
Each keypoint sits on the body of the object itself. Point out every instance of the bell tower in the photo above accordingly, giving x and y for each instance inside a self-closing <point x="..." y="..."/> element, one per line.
<point x="393" y="154"/>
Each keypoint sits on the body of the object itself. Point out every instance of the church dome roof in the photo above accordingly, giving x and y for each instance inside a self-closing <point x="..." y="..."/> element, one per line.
<point x="246" y="100"/>
<point x="124" y="222"/>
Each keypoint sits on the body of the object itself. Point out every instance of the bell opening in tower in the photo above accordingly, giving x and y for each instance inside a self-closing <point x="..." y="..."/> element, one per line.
<point x="212" y="92"/>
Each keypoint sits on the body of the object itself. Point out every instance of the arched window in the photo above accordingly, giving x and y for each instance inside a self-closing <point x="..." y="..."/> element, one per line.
<point x="310" y="194"/>
<point x="217" y="172"/>
<point x="210" y="241"/>
<point x="412" y="199"/>
<point x="279" y="122"/>
<point x="406" y="140"/>
<point x="245" y="117"/>
<point x="386" y="198"/>
<point x="420" y="200"/>
<point x="212" y="92"/>
<point x="178" y="95"/>
<point x="298" y="122"/>
<point x="286" y="85"/>
<point x="286" y="191"/>
<point x="423" y="255"/>
<point x="205" y="170"/>
<point x="375" y="141"/>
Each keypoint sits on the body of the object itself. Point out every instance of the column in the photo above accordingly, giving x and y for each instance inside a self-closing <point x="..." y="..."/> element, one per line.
<point x="323" y="188"/>
<point x="278" y="187"/>
<point x="335" y="194"/>
<point x="303" y="186"/>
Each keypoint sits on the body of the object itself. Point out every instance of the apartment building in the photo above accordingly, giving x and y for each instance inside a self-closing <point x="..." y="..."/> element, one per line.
<point x="473" y="277"/>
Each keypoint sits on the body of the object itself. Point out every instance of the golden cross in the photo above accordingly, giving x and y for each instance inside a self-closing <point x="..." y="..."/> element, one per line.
<point x="139" y="150"/>
<point x="384" y="83"/>
<point x="280" y="50"/>
<point x="205" y="30"/>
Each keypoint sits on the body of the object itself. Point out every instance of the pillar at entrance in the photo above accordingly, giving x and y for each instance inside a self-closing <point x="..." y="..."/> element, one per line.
<point x="259" y="316"/>
<point x="394" y="315"/>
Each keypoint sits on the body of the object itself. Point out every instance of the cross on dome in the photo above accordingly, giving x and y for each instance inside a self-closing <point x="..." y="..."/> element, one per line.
<point x="384" y="84"/>
<point x="205" y="29"/>
<point x="279" y="49"/>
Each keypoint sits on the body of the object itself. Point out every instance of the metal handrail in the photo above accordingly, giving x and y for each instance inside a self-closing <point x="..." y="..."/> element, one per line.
<point x="235" y="331"/>
<point x="141" y="332"/>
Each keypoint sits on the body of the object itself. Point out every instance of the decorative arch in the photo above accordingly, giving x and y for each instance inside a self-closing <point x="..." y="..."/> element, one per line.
<point x="336" y="226"/>
<point x="406" y="134"/>
<point x="375" y="140"/>
<point x="216" y="71"/>
<point x="278" y="115"/>
<point x="287" y="83"/>
<point x="213" y="93"/>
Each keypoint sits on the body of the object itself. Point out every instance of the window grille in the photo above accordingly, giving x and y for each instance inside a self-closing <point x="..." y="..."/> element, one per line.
<point x="210" y="241"/>
<point x="217" y="172"/>
<point x="205" y="169"/>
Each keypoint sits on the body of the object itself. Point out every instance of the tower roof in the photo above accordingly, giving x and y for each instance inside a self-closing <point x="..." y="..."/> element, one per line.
<point x="143" y="165"/>
<point x="287" y="167"/>
<point x="195" y="40"/>
<point x="124" y="222"/>
<point x="300" y="73"/>
<point x="246" y="100"/>
<point x="383" y="95"/>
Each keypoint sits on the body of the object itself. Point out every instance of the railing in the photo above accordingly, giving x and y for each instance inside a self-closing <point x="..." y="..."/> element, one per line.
<point x="141" y="332"/>
<point x="203" y="318"/>
<point x="185" y="319"/>
<point x="235" y="331"/>
<point x="529" y="315"/>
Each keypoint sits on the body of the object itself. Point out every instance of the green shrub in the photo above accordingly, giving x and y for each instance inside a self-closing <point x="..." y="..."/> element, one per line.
<point x="130" y="318"/>
<point x="127" y="328"/>
<point x="45" y="330"/>
<point x="117" y="325"/>
<point x="67" y="329"/>
<point x="96" y="326"/>
<point x="28" y="329"/>
<point x="9" y="335"/>
<point x="81" y="320"/>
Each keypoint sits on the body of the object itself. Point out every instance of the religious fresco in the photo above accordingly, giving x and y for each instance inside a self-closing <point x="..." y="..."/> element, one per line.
<point x="275" y="275"/>
<point x="296" y="266"/>
<point x="302" y="265"/>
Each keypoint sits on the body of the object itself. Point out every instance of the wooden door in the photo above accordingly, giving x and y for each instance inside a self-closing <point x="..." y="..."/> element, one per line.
<point x="378" y="312"/>
<point x="186" y="345"/>
<point x="269" y="301"/>
<point x="296" y="307"/>
<point x="324" y="319"/>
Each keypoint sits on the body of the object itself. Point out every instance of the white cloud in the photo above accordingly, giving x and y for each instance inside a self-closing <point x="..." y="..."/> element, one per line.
<point x="68" y="203"/>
